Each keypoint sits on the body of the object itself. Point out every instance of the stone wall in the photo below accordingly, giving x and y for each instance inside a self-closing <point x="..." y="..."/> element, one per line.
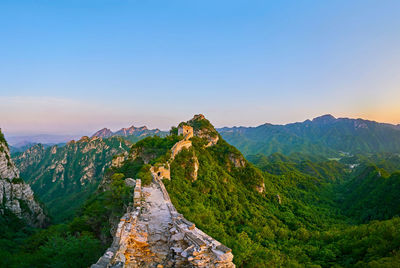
<point x="137" y="194"/>
<point x="194" y="247"/>
<point x="162" y="172"/>
<point x="114" y="257"/>
<point x="179" y="146"/>
<point x="186" y="131"/>
<point x="149" y="237"/>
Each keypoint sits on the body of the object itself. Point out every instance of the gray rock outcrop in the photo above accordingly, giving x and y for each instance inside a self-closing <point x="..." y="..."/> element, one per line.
<point x="15" y="195"/>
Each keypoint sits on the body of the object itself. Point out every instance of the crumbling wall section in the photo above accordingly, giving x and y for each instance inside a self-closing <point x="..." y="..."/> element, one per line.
<point x="114" y="255"/>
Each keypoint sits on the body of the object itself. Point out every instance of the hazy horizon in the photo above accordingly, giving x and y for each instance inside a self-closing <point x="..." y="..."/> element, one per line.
<point x="114" y="129"/>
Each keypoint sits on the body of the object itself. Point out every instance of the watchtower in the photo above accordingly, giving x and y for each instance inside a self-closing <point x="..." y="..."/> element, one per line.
<point x="186" y="131"/>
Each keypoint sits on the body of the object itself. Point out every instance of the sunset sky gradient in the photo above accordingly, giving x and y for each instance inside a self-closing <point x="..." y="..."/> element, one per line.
<point x="76" y="66"/>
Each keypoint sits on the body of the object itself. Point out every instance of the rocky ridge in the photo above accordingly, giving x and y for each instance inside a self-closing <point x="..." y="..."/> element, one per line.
<point x="103" y="133"/>
<point x="15" y="195"/>
<point x="63" y="176"/>
<point x="88" y="154"/>
<point x="124" y="132"/>
<point x="153" y="234"/>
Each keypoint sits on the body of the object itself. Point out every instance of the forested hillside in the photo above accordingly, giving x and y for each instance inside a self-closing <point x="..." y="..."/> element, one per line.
<point x="325" y="136"/>
<point x="372" y="194"/>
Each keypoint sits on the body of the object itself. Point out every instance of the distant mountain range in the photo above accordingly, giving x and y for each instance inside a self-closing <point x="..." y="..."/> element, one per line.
<point x="324" y="135"/>
<point x="130" y="132"/>
<point x="20" y="141"/>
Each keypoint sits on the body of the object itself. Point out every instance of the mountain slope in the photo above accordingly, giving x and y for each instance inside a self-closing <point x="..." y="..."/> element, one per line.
<point x="372" y="195"/>
<point x="387" y="161"/>
<point x="323" y="135"/>
<point x="103" y="133"/>
<point x="279" y="164"/>
<point x="63" y="177"/>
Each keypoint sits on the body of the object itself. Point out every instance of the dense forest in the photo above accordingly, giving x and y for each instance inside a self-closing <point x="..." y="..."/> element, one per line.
<point x="312" y="211"/>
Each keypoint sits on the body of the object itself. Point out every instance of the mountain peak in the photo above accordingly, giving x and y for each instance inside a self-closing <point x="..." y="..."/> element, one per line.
<point x="199" y="121"/>
<point x="203" y="129"/>
<point x="133" y="128"/>
<point x="327" y="118"/>
<point x="142" y="131"/>
<point x="103" y="133"/>
<point x="197" y="117"/>
<point x="130" y="131"/>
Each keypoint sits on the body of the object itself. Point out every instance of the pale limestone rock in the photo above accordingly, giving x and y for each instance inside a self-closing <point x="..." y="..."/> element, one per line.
<point x="13" y="191"/>
<point x="118" y="160"/>
<point x="260" y="188"/>
<point x="14" y="206"/>
<point x="278" y="198"/>
<point x="195" y="168"/>
<point x="237" y="160"/>
<point x="89" y="173"/>
<point x="177" y="237"/>
<point x="130" y="182"/>
<point x="7" y="167"/>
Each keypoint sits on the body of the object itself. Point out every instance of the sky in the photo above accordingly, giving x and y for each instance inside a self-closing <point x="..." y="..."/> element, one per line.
<point x="70" y="67"/>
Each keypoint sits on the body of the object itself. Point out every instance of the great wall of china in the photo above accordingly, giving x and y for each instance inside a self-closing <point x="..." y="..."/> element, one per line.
<point x="153" y="234"/>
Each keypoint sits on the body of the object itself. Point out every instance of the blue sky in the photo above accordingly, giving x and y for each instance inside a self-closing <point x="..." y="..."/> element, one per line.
<point x="76" y="66"/>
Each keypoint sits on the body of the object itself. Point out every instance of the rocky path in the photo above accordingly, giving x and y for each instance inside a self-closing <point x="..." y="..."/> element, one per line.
<point x="157" y="217"/>
<point x="147" y="240"/>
